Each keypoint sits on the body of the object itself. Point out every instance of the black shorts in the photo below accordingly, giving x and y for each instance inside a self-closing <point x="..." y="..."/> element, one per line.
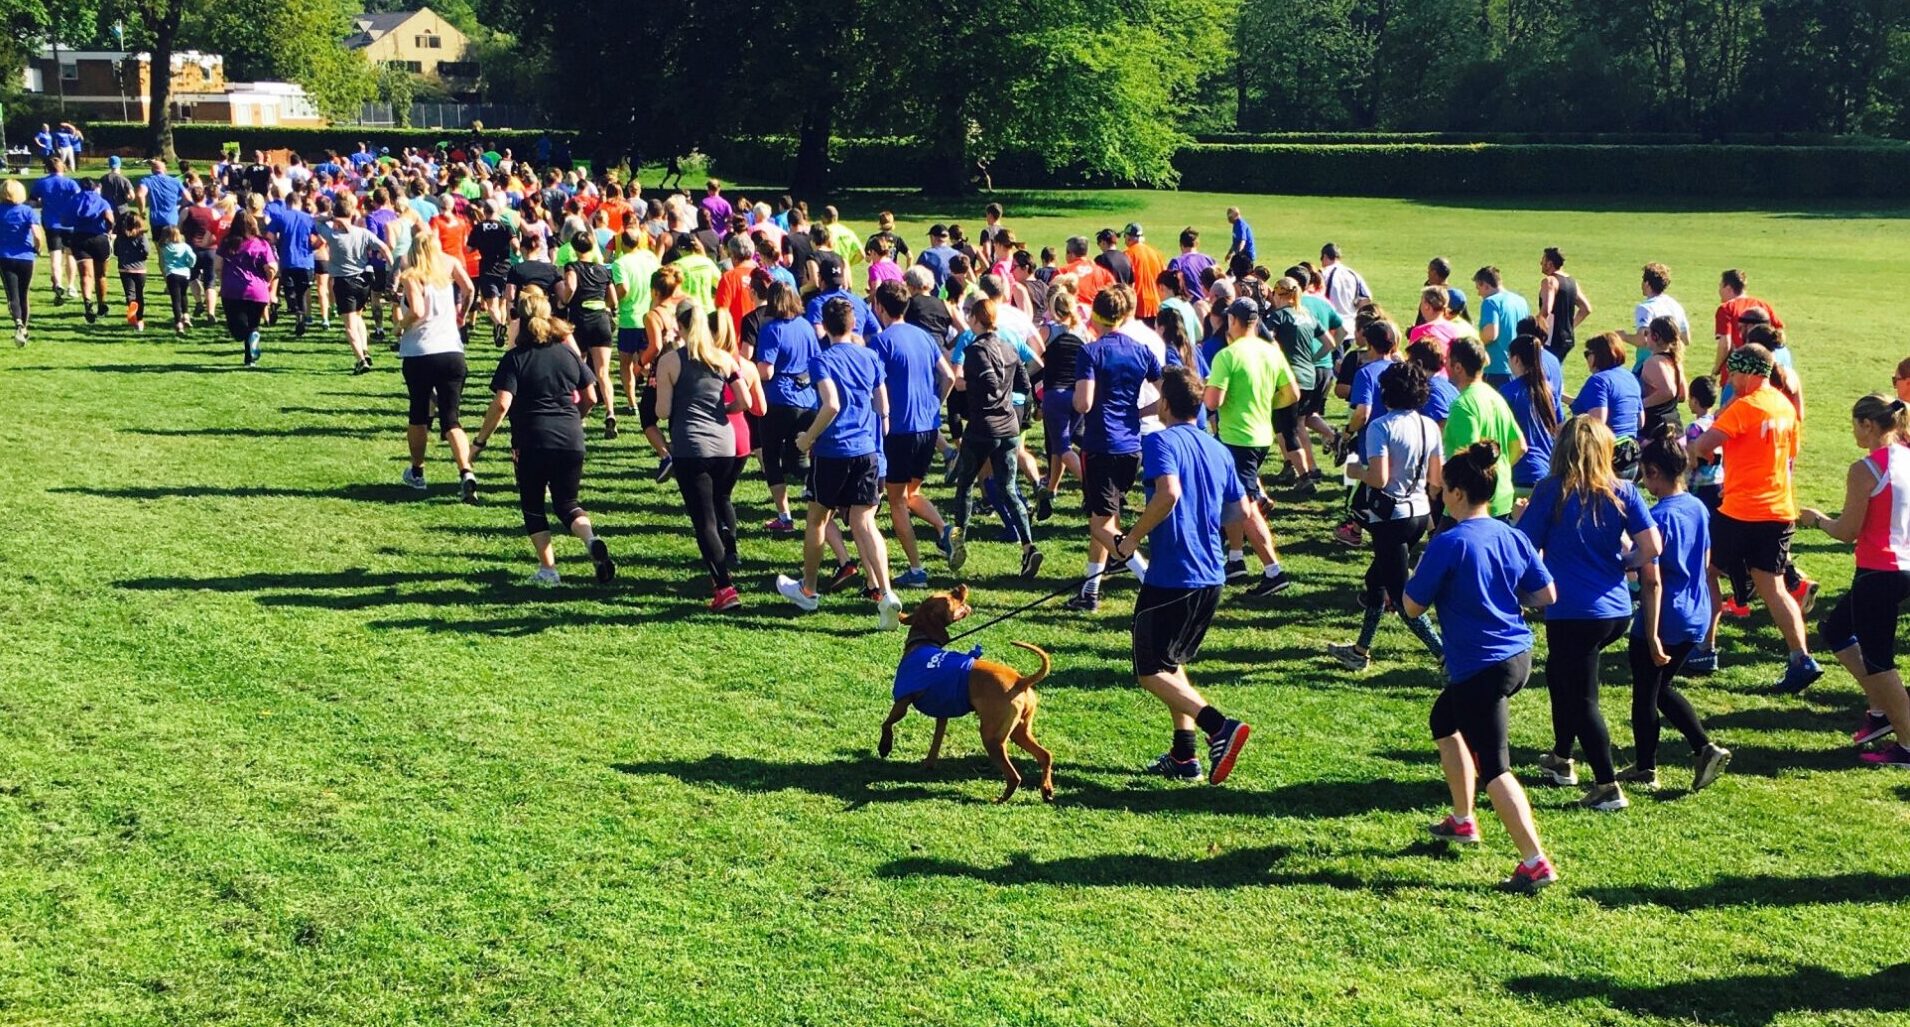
<point x="1169" y="625"/>
<point x="1737" y="546"/>
<point x="439" y="377"/>
<point x="95" y="248"/>
<point x="1247" y="461"/>
<point x="378" y="278"/>
<point x="594" y="328"/>
<point x="321" y="266"/>
<point x="352" y="293"/>
<point x="58" y="238"/>
<point x="631" y="341"/>
<point x="1313" y="400"/>
<point x="202" y="266"/>
<point x="842" y="482"/>
<point x="647" y="405"/>
<point x="490" y="287"/>
<point x="910" y="455"/>
<point x="1105" y="478"/>
<point x="1867" y="617"/>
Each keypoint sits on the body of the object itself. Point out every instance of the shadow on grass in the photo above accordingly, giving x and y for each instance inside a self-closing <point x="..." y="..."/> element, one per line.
<point x="307" y="432"/>
<point x="232" y="368"/>
<point x="1742" y="1000"/>
<point x="361" y="493"/>
<point x="1828" y="889"/>
<point x="865" y="204"/>
<point x="1240" y="868"/>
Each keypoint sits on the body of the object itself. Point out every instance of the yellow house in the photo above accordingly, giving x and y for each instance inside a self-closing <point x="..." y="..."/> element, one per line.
<point x="420" y="42"/>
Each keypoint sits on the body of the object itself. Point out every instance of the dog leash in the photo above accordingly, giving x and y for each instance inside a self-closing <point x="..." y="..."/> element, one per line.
<point x="1025" y="607"/>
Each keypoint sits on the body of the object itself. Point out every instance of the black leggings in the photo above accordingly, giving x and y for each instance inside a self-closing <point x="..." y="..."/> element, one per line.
<point x="1652" y="694"/>
<point x="706" y="483"/>
<point x="132" y="284"/>
<point x="781" y="459"/>
<point x="17" y="275"/>
<point x="176" y="286"/>
<point x="440" y="377"/>
<point x="242" y="317"/>
<point x="297" y="282"/>
<point x="1571" y="674"/>
<point x="978" y="449"/>
<point x="1392" y="543"/>
<point x="1290" y="423"/>
<point x="558" y="471"/>
<point x="1475" y="710"/>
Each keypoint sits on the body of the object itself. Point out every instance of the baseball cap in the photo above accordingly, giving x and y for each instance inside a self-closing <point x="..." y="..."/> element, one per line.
<point x="1133" y="230"/>
<point x="113" y="162"/>
<point x="938" y="231"/>
<point x="1244" y="309"/>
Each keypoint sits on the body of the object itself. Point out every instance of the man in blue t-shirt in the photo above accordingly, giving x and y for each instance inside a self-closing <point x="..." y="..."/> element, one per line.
<point x="845" y="447"/>
<point x="918" y="377"/>
<point x="57" y="194"/>
<point x="1500" y="311"/>
<point x="937" y="256"/>
<point x="830" y="278"/>
<point x="291" y="231"/>
<point x="160" y="193"/>
<point x="1109" y="374"/>
<point x="1241" y="244"/>
<point x="1192" y="494"/>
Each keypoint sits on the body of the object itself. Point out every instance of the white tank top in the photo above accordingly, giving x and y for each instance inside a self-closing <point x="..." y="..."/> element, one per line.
<point x="438" y="332"/>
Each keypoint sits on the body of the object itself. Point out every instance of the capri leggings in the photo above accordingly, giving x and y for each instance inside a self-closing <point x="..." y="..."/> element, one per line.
<point x="557" y="471"/>
<point x="17" y="275"/>
<point x="1867" y="617"/>
<point x="1392" y="545"/>
<point x="781" y="459"/>
<point x="1475" y="710"/>
<point x="440" y="377"/>
<point x="1652" y="694"/>
<point x="1571" y="674"/>
<point x="1291" y="426"/>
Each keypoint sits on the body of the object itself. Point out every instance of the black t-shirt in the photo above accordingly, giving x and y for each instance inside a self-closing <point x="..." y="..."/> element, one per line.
<point x="752" y="326"/>
<point x="1117" y="265"/>
<point x="712" y="245"/>
<point x="593" y="283"/>
<point x="541" y="381"/>
<point x="1037" y="296"/>
<point x="1058" y="360"/>
<point x="930" y="315"/>
<point x="541" y="273"/>
<point x="801" y="251"/>
<point x="492" y="241"/>
<point x="899" y="248"/>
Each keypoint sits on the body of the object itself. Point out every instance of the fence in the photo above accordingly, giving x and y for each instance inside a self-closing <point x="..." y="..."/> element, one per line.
<point x="452" y="115"/>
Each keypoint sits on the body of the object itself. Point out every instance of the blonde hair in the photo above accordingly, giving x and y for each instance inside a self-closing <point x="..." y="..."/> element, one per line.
<point x="427" y="263"/>
<point x="1063" y="308"/>
<point x="14" y="191"/>
<point x="693" y="329"/>
<point x="533" y="305"/>
<point x="1582" y="462"/>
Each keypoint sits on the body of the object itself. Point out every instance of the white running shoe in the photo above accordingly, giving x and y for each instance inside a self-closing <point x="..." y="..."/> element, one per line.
<point x="888" y="612"/>
<point x="414" y="478"/>
<point x="791" y="589"/>
<point x="545" y="577"/>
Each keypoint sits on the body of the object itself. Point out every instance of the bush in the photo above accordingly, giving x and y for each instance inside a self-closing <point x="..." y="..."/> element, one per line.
<point x="202" y="141"/>
<point x="1540" y="139"/>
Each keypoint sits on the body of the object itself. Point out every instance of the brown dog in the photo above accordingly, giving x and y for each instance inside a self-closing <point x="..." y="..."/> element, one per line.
<point x="930" y="679"/>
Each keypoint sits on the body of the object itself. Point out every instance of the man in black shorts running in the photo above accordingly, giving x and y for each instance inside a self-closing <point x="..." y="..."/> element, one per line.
<point x="491" y="239"/>
<point x="1192" y="492"/>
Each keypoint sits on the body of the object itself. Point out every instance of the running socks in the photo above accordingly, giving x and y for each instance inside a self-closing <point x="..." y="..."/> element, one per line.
<point x="1236" y="554"/>
<point x="1272" y="570"/>
<point x="1183" y="745"/>
<point x="1533" y="863"/>
<point x="1092" y="587"/>
<point x="1210" y="720"/>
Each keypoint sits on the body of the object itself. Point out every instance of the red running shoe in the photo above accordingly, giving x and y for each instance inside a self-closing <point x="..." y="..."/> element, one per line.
<point x="1452" y="829"/>
<point x="1733" y="608"/>
<point x="1530" y="880"/>
<point x="725" y="600"/>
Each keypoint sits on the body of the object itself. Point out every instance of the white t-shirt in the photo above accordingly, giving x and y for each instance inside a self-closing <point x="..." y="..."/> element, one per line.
<point x="1661" y="305"/>
<point x="1150" y="392"/>
<point x="1343" y="287"/>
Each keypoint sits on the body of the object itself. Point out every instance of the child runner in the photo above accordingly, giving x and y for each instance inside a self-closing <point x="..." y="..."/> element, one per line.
<point x="177" y="259"/>
<point x="131" y="249"/>
<point x="1109" y="376"/>
<point x="1705" y="480"/>
<point x="1476" y="574"/>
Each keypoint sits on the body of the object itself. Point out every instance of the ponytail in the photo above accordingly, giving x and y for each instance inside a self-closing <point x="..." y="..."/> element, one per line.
<point x="1474" y="471"/>
<point x="1891" y="415"/>
<point x="1664" y="452"/>
<point x="1529" y="350"/>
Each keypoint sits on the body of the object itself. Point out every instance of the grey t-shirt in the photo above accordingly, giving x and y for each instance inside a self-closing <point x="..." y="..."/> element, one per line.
<point x="350" y="248"/>
<point x="1408" y="438"/>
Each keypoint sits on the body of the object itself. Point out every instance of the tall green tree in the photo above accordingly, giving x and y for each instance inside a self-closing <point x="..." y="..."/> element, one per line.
<point x="155" y="24"/>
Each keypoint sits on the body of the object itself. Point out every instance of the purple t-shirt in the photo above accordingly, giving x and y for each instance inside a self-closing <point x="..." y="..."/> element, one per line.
<point x="1190" y="266"/>
<point x="244" y="277"/>
<point x="720" y="212"/>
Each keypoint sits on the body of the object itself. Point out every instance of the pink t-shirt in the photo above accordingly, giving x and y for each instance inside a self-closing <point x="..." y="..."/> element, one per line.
<point x="883" y="270"/>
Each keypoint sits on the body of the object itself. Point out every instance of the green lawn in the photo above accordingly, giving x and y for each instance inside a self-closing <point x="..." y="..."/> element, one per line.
<point x="280" y="742"/>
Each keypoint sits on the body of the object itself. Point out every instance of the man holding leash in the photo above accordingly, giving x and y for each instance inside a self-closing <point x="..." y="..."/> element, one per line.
<point x="1192" y="492"/>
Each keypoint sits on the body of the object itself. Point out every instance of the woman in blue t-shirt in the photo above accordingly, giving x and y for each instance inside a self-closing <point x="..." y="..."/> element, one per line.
<point x="1580" y="518"/>
<point x="1613" y="397"/>
<point x="21" y="241"/>
<point x="1537" y="409"/>
<point x="1674" y="613"/>
<point x="1477" y="574"/>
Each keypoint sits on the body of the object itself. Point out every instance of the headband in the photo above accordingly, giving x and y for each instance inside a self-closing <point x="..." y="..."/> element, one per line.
<point x="1745" y="362"/>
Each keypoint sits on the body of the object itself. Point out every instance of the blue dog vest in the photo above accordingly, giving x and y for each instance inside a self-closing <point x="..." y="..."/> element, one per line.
<point x="937" y="679"/>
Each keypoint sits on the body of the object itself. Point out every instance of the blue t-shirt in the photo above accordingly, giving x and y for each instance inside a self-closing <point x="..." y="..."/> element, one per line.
<point x="57" y="195"/>
<point x="857" y="372"/>
<point x="1184" y="551"/>
<point x="935" y="258"/>
<point x="1536" y="462"/>
<point x="1118" y="366"/>
<point x="162" y="199"/>
<point x="1615" y="389"/>
<point x="1206" y="365"/>
<point x="1581" y="548"/>
<point x="864" y="318"/>
<point x="16" y="232"/>
<point x="788" y="346"/>
<point x="294" y="229"/>
<point x="938" y="680"/>
<point x="1364" y="389"/>
<point x="91" y="213"/>
<point x="1439" y="396"/>
<point x="1243" y="237"/>
<point x="1684" y="613"/>
<point x="1473" y="574"/>
<point x="908" y="360"/>
<point x="1505" y="309"/>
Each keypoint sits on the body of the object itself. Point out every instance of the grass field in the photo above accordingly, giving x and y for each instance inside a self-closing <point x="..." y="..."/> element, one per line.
<point x="280" y="742"/>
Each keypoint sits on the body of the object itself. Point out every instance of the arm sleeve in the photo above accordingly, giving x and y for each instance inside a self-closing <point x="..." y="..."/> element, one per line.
<point x="1637" y="515"/>
<point x="1361" y="391"/>
<point x="1721" y="324"/>
<point x="1733" y="420"/>
<point x="1150" y="364"/>
<point x="504" y="379"/>
<point x="1157" y="457"/>
<point x="1084" y="365"/>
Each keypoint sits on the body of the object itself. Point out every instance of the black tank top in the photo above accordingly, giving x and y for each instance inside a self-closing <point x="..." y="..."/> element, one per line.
<point x="593" y="288"/>
<point x="1564" y="309"/>
<point x="1059" y="359"/>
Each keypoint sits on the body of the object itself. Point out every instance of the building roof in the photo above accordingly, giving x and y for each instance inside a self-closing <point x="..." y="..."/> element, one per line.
<point x="372" y="26"/>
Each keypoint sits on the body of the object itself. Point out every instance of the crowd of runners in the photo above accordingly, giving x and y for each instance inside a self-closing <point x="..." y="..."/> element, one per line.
<point x="862" y="373"/>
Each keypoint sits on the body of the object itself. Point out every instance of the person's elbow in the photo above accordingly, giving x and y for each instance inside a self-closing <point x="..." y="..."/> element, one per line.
<point x="1413" y="608"/>
<point x="1542" y="598"/>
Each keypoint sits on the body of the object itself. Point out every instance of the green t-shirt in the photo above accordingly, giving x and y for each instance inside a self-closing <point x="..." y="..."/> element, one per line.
<point x="1304" y="342"/>
<point x="1250" y="373"/>
<point x="564" y="255"/>
<point x="847" y="244"/>
<point x="700" y="275"/>
<point x="631" y="273"/>
<point x="1328" y="318"/>
<point x="1477" y="414"/>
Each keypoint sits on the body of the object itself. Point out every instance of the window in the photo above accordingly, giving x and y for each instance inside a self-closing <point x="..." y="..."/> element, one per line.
<point x="69" y="72"/>
<point x="415" y="67"/>
<point x="428" y="42"/>
<point x="458" y="69"/>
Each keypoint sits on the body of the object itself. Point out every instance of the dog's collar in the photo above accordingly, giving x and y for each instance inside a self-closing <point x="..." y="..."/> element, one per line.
<point x="922" y="636"/>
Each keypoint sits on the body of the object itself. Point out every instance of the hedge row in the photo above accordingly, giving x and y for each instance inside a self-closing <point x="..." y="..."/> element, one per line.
<point x="1544" y="139"/>
<point x="1765" y="172"/>
<point x="203" y="141"/>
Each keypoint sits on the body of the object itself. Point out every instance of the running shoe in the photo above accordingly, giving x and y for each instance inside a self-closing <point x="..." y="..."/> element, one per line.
<point x="19" y="334"/>
<point x="1349" y="534"/>
<point x="1306" y="487"/>
<point x="414" y="477"/>
<point x="779" y="525"/>
<point x="663" y="469"/>
<point x="956" y="546"/>
<point x="1349" y="655"/>
<point x="1267" y="588"/>
<point x="1642" y="778"/>
<point x="915" y="577"/>
<point x="600" y="555"/>
<point x="1806" y="594"/>
<point x="86" y="310"/>
<point x="1174" y="770"/>
<point x="252" y="348"/>
<point x="1799" y="675"/>
<point x="888" y="612"/>
<point x="1223" y="748"/>
<point x="791" y="589"/>
<point x="1557" y="770"/>
<point x="1044" y="505"/>
<point x="725" y="600"/>
<point x="1459" y="832"/>
<point x="1530" y="880"/>
<point x="1083" y="602"/>
<point x="139" y="325"/>
<point x="59" y="295"/>
<point x="299" y="326"/>
<point x="942" y="543"/>
<point x="844" y="574"/>
<point x="1236" y="569"/>
<point x="361" y="367"/>
<point x="467" y="489"/>
<point x="1702" y="661"/>
<point x="610" y="429"/>
<point x="1875" y="725"/>
<point x="1030" y="563"/>
<point x="545" y="577"/>
<point x="1608" y="798"/>
<point x="1711" y="761"/>
<point x="1735" y="609"/>
<point x="1287" y="476"/>
<point x="1894" y="756"/>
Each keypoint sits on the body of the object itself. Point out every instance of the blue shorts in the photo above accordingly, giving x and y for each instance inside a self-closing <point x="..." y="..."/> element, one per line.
<point x="631" y="340"/>
<point x="1059" y="423"/>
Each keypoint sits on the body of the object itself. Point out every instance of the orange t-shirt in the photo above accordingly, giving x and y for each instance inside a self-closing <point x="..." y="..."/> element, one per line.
<point x="1760" y="445"/>
<point x="733" y="293"/>
<point x="1090" y="278"/>
<point x="1726" y="322"/>
<point x="1148" y="264"/>
<point x="616" y="211"/>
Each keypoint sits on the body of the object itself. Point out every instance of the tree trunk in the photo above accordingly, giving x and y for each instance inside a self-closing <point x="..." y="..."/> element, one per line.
<point x="165" y="27"/>
<point x="950" y="171"/>
<point x="811" y="176"/>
